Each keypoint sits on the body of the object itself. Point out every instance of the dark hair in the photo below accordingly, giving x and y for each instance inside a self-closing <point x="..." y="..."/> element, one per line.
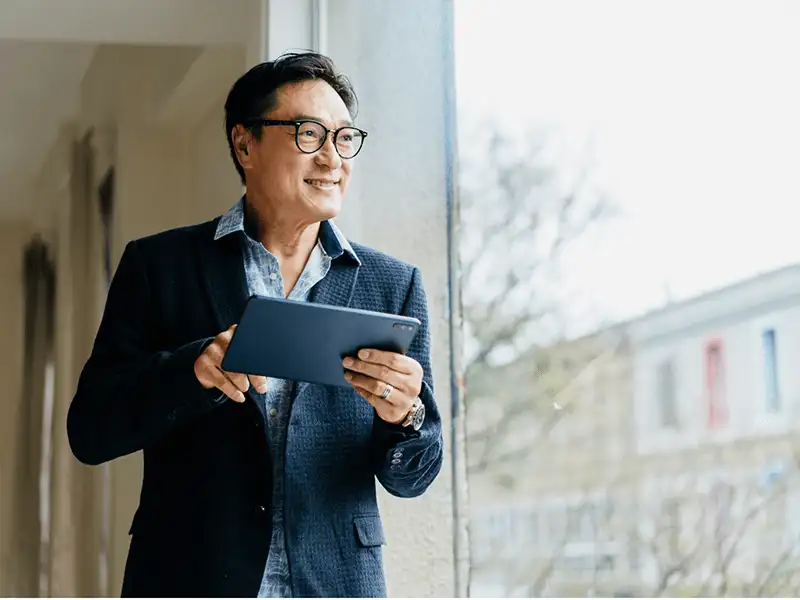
<point x="254" y="93"/>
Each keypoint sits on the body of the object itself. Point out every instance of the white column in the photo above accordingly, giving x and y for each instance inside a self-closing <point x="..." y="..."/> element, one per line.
<point x="283" y="25"/>
<point x="399" y="57"/>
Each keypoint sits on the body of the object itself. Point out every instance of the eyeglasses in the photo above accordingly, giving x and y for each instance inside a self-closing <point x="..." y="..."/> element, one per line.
<point x="310" y="136"/>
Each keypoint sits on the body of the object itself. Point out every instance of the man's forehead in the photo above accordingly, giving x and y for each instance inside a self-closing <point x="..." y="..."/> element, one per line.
<point x="310" y="99"/>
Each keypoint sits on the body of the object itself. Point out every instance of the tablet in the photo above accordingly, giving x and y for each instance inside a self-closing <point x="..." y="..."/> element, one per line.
<point x="302" y="341"/>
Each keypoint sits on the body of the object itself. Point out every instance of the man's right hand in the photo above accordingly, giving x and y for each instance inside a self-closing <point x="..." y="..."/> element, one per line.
<point x="208" y="370"/>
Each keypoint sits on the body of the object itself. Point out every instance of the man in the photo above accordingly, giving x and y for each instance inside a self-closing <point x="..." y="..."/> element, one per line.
<point x="254" y="487"/>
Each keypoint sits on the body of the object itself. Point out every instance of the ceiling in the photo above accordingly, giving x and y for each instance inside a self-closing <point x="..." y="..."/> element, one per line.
<point x="48" y="46"/>
<point x="41" y="91"/>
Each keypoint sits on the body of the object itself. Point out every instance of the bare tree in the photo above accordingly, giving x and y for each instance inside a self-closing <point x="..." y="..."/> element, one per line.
<point x="706" y="548"/>
<point x="523" y="201"/>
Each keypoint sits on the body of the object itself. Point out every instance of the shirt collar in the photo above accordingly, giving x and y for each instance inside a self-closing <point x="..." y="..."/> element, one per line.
<point x="331" y="238"/>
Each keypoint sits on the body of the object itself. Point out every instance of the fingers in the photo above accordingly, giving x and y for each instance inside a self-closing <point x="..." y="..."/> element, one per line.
<point x="394" y="361"/>
<point x="377" y="373"/>
<point x="389" y="412"/>
<point x="259" y="383"/>
<point x="216" y="353"/>
<point x="376" y="387"/>
<point x="209" y="373"/>
<point x="227" y="387"/>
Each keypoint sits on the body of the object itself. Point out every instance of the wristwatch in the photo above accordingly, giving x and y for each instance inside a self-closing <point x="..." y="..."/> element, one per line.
<point x="416" y="415"/>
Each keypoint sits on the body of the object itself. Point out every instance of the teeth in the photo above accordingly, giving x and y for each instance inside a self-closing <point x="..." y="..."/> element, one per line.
<point x="321" y="184"/>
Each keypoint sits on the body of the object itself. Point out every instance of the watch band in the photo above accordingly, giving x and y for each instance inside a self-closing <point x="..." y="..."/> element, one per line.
<point x="410" y="416"/>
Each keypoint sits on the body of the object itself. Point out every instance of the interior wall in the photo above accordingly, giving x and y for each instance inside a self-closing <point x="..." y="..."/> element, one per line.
<point x="13" y="236"/>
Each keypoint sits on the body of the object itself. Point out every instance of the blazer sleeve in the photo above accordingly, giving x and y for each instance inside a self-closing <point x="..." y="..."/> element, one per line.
<point x="129" y="394"/>
<point x="408" y="461"/>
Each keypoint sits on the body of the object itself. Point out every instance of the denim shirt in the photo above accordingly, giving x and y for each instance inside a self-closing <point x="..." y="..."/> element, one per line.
<point x="263" y="275"/>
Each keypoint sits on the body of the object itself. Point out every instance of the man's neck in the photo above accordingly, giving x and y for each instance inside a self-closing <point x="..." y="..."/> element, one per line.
<point x="284" y="238"/>
<point x="291" y="242"/>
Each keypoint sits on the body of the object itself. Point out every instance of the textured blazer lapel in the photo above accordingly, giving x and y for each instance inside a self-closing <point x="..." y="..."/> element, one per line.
<point x="338" y="285"/>
<point x="222" y="265"/>
<point x="223" y="273"/>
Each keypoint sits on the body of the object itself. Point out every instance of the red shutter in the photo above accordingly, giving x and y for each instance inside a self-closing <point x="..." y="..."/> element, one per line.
<point x="715" y="385"/>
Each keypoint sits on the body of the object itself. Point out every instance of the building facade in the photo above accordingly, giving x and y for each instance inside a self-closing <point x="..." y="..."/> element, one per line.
<point x="673" y="469"/>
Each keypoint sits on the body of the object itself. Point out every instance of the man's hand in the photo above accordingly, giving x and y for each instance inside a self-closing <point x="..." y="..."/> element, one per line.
<point x="208" y="370"/>
<point x="374" y="370"/>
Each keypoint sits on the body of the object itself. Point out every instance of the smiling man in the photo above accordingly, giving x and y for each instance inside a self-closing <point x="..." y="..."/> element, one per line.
<point x="252" y="488"/>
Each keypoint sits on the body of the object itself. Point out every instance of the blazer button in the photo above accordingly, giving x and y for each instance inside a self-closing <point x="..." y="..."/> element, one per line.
<point x="397" y="455"/>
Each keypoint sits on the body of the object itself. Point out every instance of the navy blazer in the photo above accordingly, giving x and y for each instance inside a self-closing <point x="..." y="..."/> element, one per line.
<point x="203" y="527"/>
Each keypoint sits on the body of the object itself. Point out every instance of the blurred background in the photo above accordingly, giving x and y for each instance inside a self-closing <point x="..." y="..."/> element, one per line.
<point x="631" y="288"/>
<point x="600" y="195"/>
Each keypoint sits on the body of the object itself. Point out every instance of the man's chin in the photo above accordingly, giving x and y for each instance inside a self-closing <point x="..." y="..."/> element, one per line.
<point x="328" y="210"/>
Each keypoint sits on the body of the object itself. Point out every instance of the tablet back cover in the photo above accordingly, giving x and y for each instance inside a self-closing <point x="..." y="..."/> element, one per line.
<point x="302" y="341"/>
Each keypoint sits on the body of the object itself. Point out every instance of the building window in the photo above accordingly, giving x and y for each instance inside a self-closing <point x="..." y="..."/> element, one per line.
<point x="773" y="404"/>
<point x="715" y="385"/>
<point x="665" y="392"/>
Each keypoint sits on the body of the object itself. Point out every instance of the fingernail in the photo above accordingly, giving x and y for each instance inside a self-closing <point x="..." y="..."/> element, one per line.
<point x="240" y="397"/>
<point x="364" y="354"/>
<point x="348" y="362"/>
<point x="348" y="376"/>
<point x="262" y="389"/>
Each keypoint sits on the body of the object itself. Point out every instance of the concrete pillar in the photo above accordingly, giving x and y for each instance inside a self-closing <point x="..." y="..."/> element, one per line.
<point x="399" y="57"/>
<point x="280" y="26"/>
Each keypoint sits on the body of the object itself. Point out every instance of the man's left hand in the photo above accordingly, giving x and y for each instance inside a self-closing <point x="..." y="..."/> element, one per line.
<point x="374" y="370"/>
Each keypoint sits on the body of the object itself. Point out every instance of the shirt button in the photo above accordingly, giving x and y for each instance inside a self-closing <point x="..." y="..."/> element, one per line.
<point x="396" y="461"/>
<point x="273" y="276"/>
<point x="273" y="412"/>
<point x="397" y="455"/>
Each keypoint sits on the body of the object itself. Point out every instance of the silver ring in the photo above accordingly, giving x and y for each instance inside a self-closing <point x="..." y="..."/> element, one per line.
<point x="389" y="389"/>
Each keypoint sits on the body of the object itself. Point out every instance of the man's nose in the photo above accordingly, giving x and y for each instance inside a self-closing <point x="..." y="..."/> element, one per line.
<point x="327" y="155"/>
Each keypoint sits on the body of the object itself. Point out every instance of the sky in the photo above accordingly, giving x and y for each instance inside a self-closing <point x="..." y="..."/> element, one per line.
<point x="694" y="107"/>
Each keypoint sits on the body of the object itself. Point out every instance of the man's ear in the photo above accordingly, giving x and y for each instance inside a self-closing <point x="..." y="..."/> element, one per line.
<point x="240" y="138"/>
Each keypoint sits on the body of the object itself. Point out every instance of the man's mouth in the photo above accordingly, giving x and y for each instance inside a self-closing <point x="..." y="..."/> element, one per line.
<point x="323" y="184"/>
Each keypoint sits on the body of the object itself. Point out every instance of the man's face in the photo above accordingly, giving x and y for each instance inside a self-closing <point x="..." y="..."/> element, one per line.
<point x="306" y="187"/>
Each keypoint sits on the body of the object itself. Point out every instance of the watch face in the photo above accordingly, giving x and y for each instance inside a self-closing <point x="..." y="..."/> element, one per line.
<point x="419" y="417"/>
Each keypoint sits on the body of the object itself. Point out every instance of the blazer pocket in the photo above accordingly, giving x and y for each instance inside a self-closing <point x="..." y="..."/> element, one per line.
<point x="369" y="531"/>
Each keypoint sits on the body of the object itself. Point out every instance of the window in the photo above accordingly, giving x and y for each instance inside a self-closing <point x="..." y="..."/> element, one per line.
<point x="715" y="386"/>
<point x="667" y="405"/>
<point x="579" y="524"/>
<point x="773" y="400"/>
